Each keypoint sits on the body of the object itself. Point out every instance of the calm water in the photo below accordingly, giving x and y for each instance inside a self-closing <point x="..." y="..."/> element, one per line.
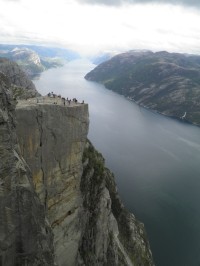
<point x="156" y="161"/>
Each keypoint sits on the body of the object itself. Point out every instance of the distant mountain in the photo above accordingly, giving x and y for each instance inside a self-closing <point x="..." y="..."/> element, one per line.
<point x="165" y="82"/>
<point x="44" y="51"/>
<point x="98" y="59"/>
<point x="35" y="59"/>
<point x="52" y="52"/>
<point x="22" y="87"/>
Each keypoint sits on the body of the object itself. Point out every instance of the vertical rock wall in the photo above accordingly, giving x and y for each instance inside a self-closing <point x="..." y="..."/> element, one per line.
<point x="90" y="224"/>
<point x="25" y="236"/>
<point x="52" y="139"/>
<point x="111" y="235"/>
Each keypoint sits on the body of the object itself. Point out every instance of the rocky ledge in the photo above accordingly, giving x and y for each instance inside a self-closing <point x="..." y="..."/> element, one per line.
<point x="25" y="235"/>
<point x="20" y="85"/>
<point x="89" y="222"/>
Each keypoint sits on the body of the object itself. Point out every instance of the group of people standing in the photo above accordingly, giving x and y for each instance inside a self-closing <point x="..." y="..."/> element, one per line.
<point x="64" y="100"/>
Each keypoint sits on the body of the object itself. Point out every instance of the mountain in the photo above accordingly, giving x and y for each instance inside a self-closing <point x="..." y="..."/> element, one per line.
<point x="35" y="59"/>
<point x="26" y="237"/>
<point x="43" y="51"/>
<point x="98" y="59"/>
<point x="168" y="83"/>
<point x="59" y="204"/>
<point x="56" y="52"/>
<point x="20" y="85"/>
<point x="28" y="60"/>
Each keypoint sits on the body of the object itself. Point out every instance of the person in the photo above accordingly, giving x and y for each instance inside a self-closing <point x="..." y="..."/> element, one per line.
<point x="83" y="102"/>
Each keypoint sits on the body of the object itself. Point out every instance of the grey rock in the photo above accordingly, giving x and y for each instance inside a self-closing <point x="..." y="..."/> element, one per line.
<point x="25" y="236"/>
<point x="52" y="139"/>
<point x="21" y="85"/>
<point x="89" y="222"/>
<point x="111" y="235"/>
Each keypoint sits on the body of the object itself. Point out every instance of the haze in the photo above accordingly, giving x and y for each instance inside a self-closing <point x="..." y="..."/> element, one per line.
<point x="90" y="27"/>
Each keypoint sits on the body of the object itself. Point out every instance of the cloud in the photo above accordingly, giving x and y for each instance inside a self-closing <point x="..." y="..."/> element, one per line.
<point x="192" y="3"/>
<point x="11" y="0"/>
<point x="89" y="28"/>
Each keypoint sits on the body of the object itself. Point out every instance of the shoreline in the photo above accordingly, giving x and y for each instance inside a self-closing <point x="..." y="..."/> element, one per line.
<point x="148" y="108"/>
<point x="160" y="113"/>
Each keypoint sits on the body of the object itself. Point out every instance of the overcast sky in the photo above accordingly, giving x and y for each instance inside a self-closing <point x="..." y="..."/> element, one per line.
<point x="92" y="26"/>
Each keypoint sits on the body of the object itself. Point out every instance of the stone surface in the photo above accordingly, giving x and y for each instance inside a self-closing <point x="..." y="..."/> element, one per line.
<point x="89" y="222"/>
<point x="21" y="85"/>
<point x="52" y="139"/>
<point x="62" y="189"/>
<point x="25" y="235"/>
<point x="111" y="235"/>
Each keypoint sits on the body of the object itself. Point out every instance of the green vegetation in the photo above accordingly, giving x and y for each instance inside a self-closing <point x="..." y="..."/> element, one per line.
<point x="165" y="82"/>
<point x="95" y="160"/>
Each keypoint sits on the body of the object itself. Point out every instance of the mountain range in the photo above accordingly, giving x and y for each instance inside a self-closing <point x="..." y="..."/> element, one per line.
<point x="165" y="82"/>
<point x="35" y="59"/>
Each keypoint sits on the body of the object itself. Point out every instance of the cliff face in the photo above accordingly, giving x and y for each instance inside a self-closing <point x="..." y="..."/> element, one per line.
<point x="34" y="59"/>
<point x="89" y="222"/>
<point x="111" y="235"/>
<point x="21" y="86"/>
<point x="52" y="139"/>
<point x="25" y="236"/>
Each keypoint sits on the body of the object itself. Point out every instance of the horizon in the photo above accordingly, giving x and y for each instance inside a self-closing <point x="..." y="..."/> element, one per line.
<point x="90" y="27"/>
<point x="95" y="55"/>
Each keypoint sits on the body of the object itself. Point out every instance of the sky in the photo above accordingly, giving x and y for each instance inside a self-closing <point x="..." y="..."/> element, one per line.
<point x="94" y="26"/>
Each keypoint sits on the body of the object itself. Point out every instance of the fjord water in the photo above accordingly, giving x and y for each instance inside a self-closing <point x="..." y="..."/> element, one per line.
<point x="155" y="159"/>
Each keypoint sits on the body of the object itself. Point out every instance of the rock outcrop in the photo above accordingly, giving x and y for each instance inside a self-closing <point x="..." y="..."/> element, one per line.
<point x="52" y="139"/>
<point x="35" y="59"/>
<point x="89" y="222"/>
<point x="25" y="235"/>
<point x="21" y="86"/>
<point x="28" y="60"/>
<point x="58" y="203"/>
<point x="111" y="235"/>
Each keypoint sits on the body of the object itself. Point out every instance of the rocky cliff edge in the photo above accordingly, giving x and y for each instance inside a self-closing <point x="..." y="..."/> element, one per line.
<point x="25" y="235"/>
<point x="89" y="222"/>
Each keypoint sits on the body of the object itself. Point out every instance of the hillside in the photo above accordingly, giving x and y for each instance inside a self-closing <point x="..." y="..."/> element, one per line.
<point x="20" y="85"/>
<point x="165" y="82"/>
<point x="25" y="234"/>
<point x="100" y="58"/>
<point x="35" y="59"/>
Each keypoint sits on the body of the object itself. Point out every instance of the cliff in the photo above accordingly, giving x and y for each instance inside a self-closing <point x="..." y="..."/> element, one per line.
<point x="111" y="235"/>
<point x="22" y="87"/>
<point x="25" y="235"/>
<point x="58" y="203"/>
<point x="52" y="139"/>
<point x="89" y="222"/>
<point x="168" y="83"/>
<point x="28" y="60"/>
<point x="34" y="59"/>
